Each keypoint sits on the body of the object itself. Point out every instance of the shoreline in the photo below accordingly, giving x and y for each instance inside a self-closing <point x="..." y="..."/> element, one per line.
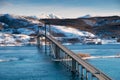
<point x="35" y="44"/>
<point x="100" y="57"/>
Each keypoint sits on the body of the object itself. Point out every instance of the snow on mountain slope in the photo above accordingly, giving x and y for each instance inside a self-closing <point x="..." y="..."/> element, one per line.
<point x="2" y="24"/>
<point x="14" y="39"/>
<point x="28" y="26"/>
<point x="17" y="30"/>
<point x="90" y="22"/>
<point x="25" y="31"/>
<point x="49" y="16"/>
<point x="73" y="35"/>
<point x="19" y="21"/>
<point x="86" y="16"/>
<point x="71" y="32"/>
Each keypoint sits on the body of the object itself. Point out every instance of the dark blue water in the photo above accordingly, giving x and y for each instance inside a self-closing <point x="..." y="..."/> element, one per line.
<point x="110" y="66"/>
<point x="27" y="63"/>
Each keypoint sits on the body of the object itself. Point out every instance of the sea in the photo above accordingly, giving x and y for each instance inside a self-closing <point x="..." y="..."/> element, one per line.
<point x="110" y="66"/>
<point x="29" y="63"/>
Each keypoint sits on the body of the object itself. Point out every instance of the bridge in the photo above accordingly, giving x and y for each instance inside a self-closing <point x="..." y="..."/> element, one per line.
<point x="59" y="53"/>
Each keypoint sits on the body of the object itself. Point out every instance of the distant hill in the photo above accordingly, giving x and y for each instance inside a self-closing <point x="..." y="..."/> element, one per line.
<point x="18" y="21"/>
<point x="104" y="27"/>
<point x="15" y="24"/>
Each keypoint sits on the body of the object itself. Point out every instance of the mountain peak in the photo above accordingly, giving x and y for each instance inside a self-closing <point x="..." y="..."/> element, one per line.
<point x="86" y="16"/>
<point x="49" y="16"/>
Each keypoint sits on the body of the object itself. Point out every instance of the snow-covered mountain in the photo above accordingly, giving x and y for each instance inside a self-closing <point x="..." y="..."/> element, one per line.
<point x="104" y="27"/>
<point x="17" y="30"/>
<point x="14" y="39"/>
<point x="66" y="34"/>
<point x="71" y="32"/>
<point x="86" y="16"/>
<point x="15" y="22"/>
<point x="49" y="16"/>
<point x="77" y="30"/>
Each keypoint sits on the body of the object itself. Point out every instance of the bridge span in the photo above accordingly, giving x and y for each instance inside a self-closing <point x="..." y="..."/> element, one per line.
<point x="72" y="62"/>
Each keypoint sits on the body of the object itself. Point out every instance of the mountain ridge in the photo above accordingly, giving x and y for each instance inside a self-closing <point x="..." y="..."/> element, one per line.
<point x="105" y="27"/>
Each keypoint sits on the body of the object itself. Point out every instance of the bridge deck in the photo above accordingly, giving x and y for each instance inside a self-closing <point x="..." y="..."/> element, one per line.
<point x="100" y="75"/>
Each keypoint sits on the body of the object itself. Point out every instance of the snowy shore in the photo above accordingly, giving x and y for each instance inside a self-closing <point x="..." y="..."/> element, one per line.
<point x="99" y="57"/>
<point x="16" y="39"/>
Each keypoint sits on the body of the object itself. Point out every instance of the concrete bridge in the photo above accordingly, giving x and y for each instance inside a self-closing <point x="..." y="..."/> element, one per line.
<point x="75" y="64"/>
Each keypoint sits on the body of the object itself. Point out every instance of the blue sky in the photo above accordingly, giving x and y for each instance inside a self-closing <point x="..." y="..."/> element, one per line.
<point x="64" y="8"/>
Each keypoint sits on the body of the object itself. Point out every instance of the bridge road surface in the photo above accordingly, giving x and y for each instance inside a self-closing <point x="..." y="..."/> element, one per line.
<point x="100" y="75"/>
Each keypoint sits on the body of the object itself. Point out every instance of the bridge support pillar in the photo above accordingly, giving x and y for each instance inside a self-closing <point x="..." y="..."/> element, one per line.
<point x="82" y="72"/>
<point x="73" y="66"/>
<point x="45" y="39"/>
<point x="57" y="52"/>
<point x="92" y="77"/>
<point x="38" y="41"/>
<point x="45" y="46"/>
<point x="87" y="75"/>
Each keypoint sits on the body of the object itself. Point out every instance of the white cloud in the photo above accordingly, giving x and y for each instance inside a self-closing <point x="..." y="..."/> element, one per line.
<point x="69" y="12"/>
